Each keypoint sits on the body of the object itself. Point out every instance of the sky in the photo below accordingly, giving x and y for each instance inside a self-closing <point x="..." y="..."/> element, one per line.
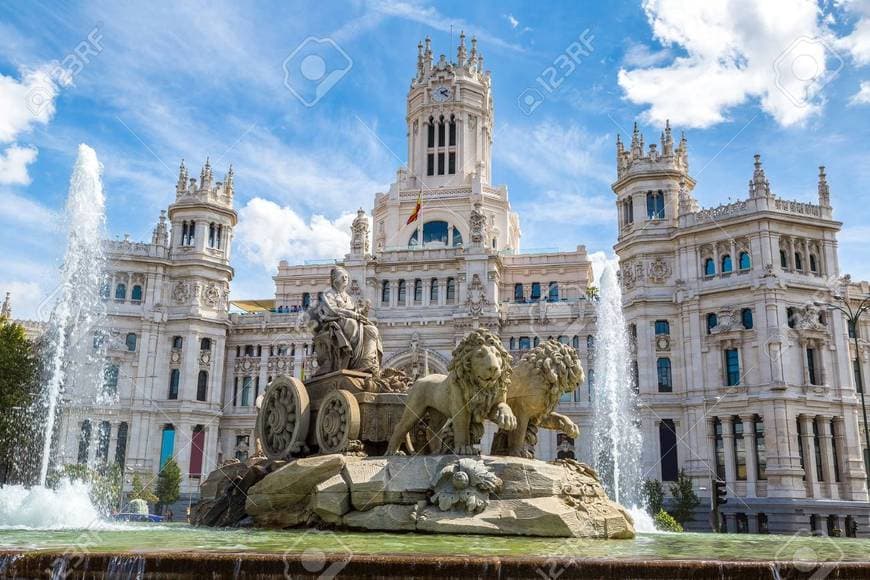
<point x="148" y="84"/>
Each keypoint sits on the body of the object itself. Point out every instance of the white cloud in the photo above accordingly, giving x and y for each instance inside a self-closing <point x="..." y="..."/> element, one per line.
<point x="512" y="20"/>
<point x="25" y="298"/>
<point x="862" y="97"/>
<point x="775" y="51"/>
<point x="268" y="233"/>
<point x="857" y="43"/>
<point x="13" y="164"/>
<point x="641" y="56"/>
<point x="26" y="212"/>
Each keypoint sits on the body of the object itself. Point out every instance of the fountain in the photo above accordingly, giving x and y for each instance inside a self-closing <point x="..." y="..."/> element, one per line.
<point x="616" y="442"/>
<point x="72" y="366"/>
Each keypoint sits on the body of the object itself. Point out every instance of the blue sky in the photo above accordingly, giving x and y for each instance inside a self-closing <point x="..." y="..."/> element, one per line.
<point x="157" y="82"/>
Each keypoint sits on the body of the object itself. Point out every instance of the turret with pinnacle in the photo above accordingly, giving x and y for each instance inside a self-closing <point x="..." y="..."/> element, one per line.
<point x="220" y="192"/>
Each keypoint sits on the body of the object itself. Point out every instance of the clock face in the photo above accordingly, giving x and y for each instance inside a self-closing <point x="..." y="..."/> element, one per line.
<point x="441" y="94"/>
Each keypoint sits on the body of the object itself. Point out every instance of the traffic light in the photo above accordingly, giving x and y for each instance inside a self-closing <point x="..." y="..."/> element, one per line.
<point x="720" y="494"/>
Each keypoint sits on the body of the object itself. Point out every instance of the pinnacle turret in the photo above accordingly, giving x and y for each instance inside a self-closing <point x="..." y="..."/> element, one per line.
<point x="824" y="189"/>
<point x="759" y="186"/>
<point x="658" y="156"/>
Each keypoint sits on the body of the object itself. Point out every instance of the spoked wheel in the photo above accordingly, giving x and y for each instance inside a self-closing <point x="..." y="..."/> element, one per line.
<point x="338" y="422"/>
<point x="282" y="423"/>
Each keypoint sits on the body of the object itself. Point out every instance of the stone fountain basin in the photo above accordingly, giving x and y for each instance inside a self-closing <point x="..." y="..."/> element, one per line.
<point x="393" y="494"/>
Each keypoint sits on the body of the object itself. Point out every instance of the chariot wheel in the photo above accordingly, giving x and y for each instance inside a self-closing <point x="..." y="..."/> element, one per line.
<point x="338" y="421"/>
<point x="282" y="423"/>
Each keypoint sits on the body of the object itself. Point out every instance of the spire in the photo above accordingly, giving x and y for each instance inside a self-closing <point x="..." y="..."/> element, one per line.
<point x="460" y="52"/>
<point x="667" y="140"/>
<point x="205" y="177"/>
<point x="687" y="203"/>
<point x="420" y="59"/>
<point x="427" y="54"/>
<point x="160" y="235"/>
<point x="759" y="186"/>
<point x="473" y="50"/>
<point x="824" y="190"/>
<point x="228" y="182"/>
<point x="6" y="309"/>
<point x="181" y="186"/>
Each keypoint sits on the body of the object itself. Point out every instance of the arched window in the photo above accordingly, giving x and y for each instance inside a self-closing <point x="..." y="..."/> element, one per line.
<point x="553" y="292"/>
<point x="746" y="318"/>
<point x="814" y="263"/>
<point x="435" y="231"/>
<point x="783" y="259"/>
<point x="536" y="291"/>
<point x="798" y="261"/>
<point x="536" y="341"/>
<point x="131" y="342"/>
<point x="418" y="290"/>
<point x="519" y="293"/>
<point x="197" y="445"/>
<point x="590" y="343"/>
<point x="202" y="386"/>
<point x="306" y="299"/>
<point x="433" y="291"/>
<point x="174" y="379"/>
<point x="451" y="290"/>
<point x="191" y="233"/>
<point x="430" y="133"/>
<point x="452" y="131"/>
<point x="110" y="380"/>
<point x="385" y="292"/>
<point x="136" y="293"/>
<point x="575" y="342"/>
<point x="121" y="444"/>
<point x="184" y="233"/>
<point x="712" y="322"/>
<point x="218" y="236"/>
<point x="211" y="235"/>
<point x="563" y="339"/>
<point x="205" y="344"/>
<point x="726" y="264"/>
<point x="745" y="261"/>
<point x="402" y="292"/>
<point x="177" y="341"/>
<point x="524" y="343"/>
<point x="709" y="267"/>
<point x="120" y="291"/>
<point x="84" y="441"/>
<point x="655" y="205"/>
<point x="791" y="316"/>
<point x="167" y="444"/>
<point x="663" y="328"/>
<point x="441" y="141"/>
<point x="319" y="297"/>
<point x="513" y="344"/>
<point x="663" y="368"/>
<point x="457" y="238"/>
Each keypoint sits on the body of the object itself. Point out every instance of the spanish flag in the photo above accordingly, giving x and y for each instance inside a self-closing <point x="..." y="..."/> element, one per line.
<point x="416" y="214"/>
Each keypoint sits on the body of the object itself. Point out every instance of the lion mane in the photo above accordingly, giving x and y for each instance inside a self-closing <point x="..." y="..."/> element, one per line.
<point x="558" y="365"/>
<point x="481" y="397"/>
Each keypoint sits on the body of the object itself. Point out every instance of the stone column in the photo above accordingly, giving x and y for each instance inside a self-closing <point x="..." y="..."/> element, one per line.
<point x="751" y="460"/>
<point x="728" y="444"/>
<point x="812" y="480"/>
<point x="730" y="523"/>
<point x="839" y="445"/>
<point x="826" y="445"/>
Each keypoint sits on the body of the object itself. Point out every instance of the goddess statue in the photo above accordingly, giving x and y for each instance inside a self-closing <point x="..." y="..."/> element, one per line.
<point x="344" y="337"/>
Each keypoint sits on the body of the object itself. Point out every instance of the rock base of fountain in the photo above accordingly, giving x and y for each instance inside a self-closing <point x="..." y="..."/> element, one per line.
<point x="426" y="493"/>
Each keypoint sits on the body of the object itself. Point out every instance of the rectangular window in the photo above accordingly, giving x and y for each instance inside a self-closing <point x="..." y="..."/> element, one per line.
<point x="451" y="163"/>
<point x="235" y="390"/>
<point x="856" y="370"/>
<point x="167" y="445"/>
<point x="668" y="450"/>
<point x="732" y="367"/>
<point x="662" y="327"/>
<point x="800" y="442"/>
<point x="452" y="134"/>
<point x="430" y="137"/>
<point x="441" y="133"/>
<point x="663" y="369"/>
<point x="817" y="445"/>
<point x="440" y="164"/>
<point x="247" y="387"/>
<point x="835" y="453"/>
<point x="430" y="164"/>
<point x="760" y="448"/>
<point x="536" y="291"/>
<point x="739" y="450"/>
<point x="811" y="365"/>
<point x="197" y="445"/>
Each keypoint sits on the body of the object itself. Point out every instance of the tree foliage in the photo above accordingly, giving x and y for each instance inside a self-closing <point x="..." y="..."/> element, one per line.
<point x="141" y="491"/>
<point x="104" y="483"/>
<point x="168" y="483"/>
<point x="685" y="499"/>
<point x="19" y="388"/>
<point x="653" y="496"/>
<point x="665" y="522"/>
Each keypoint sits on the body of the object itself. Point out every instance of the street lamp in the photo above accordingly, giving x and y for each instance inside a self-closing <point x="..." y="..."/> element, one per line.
<point x="852" y="317"/>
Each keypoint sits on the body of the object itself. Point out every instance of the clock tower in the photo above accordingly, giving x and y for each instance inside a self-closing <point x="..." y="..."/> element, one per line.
<point x="449" y="118"/>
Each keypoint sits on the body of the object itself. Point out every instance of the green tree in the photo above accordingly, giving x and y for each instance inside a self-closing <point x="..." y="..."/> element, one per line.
<point x="168" y="483"/>
<point x="19" y="388"/>
<point x="664" y="522"/>
<point x="653" y="496"/>
<point x="685" y="499"/>
<point x="140" y="491"/>
<point x="104" y="483"/>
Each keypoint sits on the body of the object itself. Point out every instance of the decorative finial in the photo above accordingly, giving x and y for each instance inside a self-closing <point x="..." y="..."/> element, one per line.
<point x="759" y="186"/>
<point x="824" y="188"/>
<point x="460" y="51"/>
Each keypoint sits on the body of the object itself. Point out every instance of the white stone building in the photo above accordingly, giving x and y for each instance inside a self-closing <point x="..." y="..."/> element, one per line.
<point x="732" y="357"/>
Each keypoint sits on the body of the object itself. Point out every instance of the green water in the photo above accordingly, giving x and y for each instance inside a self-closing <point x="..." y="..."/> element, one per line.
<point x="183" y="538"/>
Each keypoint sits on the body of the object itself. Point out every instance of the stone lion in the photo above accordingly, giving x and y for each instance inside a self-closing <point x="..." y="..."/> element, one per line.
<point x="475" y="389"/>
<point x="539" y="380"/>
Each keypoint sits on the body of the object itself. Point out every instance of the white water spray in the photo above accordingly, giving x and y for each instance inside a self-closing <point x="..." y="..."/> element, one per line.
<point x="73" y="366"/>
<point x="616" y="443"/>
